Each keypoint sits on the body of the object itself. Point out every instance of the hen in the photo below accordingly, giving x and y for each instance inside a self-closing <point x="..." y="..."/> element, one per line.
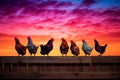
<point x="32" y="48"/>
<point x="86" y="48"/>
<point x="45" y="49"/>
<point x="98" y="48"/>
<point x="64" y="47"/>
<point x="74" y="48"/>
<point x="21" y="49"/>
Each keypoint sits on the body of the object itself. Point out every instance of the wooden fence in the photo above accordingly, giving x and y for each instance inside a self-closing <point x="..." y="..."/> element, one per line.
<point x="57" y="67"/>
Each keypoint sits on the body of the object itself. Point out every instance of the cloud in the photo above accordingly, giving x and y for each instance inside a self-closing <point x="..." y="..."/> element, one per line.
<point x="93" y="24"/>
<point x="30" y="7"/>
<point x="111" y="17"/>
<point x="80" y="12"/>
<point x="89" y="2"/>
<point x="39" y="27"/>
<point x="111" y="22"/>
<point x="13" y="6"/>
<point x="49" y="15"/>
<point x="115" y="34"/>
<point x="47" y="4"/>
<point x="64" y="4"/>
<point x="54" y="4"/>
<point x="47" y="20"/>
<point x="114" y="11"/>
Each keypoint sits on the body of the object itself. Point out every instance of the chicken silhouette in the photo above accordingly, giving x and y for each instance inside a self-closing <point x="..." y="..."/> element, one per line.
<point x="74" y="48"/>
<point x="45" y="49"/>
<point x="100" y="49"/>
<point x="32" y="48"/>
<point x="64" y="47"/>
<point x="86" y="48"/>
<point x="21" y="49"/>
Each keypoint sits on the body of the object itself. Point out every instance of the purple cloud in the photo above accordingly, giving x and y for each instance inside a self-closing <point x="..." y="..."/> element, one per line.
<point x="88" y="2"/>
<point x="51" y="15"/>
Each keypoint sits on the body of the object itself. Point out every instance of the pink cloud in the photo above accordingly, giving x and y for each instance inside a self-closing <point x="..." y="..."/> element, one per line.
<point x="39" y="27"/>
<point x="33" y="17"/>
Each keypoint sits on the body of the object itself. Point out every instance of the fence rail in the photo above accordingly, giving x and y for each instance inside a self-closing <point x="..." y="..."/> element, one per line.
<point x="58" y="67"/>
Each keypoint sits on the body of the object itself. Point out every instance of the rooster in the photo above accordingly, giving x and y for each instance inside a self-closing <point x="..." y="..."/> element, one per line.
<point x="21" y="49"/>
<point x="45" y="49"/>
<point x="64" y="47"/>
<point x="74" y="48"/>
<point x="86" y="48"/>
<point x="100" y="49"/>
<point x="32" y="48"/>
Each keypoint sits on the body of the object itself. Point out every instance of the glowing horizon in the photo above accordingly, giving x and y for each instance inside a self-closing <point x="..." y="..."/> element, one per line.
<point x="71" y="19"/>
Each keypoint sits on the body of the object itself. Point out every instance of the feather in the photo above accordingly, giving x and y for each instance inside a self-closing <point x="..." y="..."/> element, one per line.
<point x="86" y="48"/>
<point x="32" y="48"/>
<point x="21" y="49"/>
<point x="74" y="48"/>
<point x="64" y="47"/>
<point x="100" y="49"/>
<point x="45" y="49"/>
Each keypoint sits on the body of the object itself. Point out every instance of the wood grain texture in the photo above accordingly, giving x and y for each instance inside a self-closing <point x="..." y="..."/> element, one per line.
<point x="57" y="67"/>
<point x="59" y="59"/>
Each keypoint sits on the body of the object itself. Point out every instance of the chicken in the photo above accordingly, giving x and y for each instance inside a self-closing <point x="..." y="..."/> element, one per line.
<point x="86" y="48"/>
<point x="64" y="47"/>
<point x="74" y="48"/>
<point x="32" y="48"/>
<point x="21" y="49"/>
<point x="100" y="49"/>
<point x="45" y="49"/>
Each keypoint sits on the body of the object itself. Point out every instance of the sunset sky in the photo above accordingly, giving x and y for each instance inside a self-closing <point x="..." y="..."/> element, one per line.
<point x="72" y="19"/>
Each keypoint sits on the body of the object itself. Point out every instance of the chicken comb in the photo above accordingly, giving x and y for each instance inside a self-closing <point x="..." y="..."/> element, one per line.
<point x="52" y="39"/>
<point x="83" y="40"/>
<point x="95" y="40"/>
<point x="15" y="38"/>
<point x="28" y="37"/>
<point x="71" y="41"/>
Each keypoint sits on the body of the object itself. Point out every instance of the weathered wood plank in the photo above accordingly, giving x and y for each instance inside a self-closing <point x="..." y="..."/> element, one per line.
<point x="60" y="75"/>
<point x="57" y="67"/>
<point x="106" y="59"/>
<point x="59" y="59"/>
